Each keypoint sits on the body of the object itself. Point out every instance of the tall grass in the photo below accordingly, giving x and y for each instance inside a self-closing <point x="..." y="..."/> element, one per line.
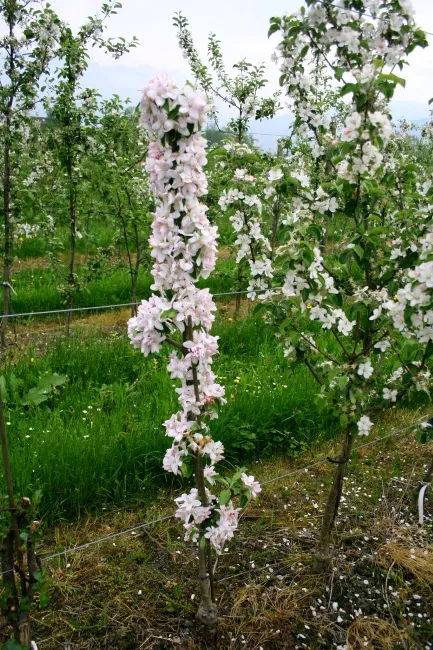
<point x="100" y="440"/>
<point x="37" y="289"/>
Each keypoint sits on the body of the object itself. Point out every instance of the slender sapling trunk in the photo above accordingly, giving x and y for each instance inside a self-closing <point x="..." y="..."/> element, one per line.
<point x="323" y="557"/>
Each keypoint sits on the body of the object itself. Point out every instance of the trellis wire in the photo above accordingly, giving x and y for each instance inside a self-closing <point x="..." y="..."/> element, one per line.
<point x="81" y="547"/>
<point x="324" y="460"/>
<point x="100" y="540"/>
<point x="124" y="304"/>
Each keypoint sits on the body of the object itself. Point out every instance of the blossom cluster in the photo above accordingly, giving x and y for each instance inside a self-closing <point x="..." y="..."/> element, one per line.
<point x="411" y="309"/>
<point x="183" y="244"/>
<point x="251" y="242"/>
<point x="319" y="284"/>
<point x="364" y="46"/>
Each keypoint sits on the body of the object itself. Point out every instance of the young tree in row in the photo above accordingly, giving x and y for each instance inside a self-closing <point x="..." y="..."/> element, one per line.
<point x="74" y="111"/>
<point x="335" y="316"/>
<point x="26" y="50"/>
<point x="240" y="92"/>
<point x="184" y="250"/>
<point x="123" y="180"/>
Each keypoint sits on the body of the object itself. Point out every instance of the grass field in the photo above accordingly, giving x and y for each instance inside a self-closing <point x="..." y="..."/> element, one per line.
<point x="94" y="448"/>
<point x="99" y="439"/>
<point x="140" y="590"/>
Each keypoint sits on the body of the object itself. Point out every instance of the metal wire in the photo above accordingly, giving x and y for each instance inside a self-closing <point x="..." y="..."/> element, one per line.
<point x="124" y="304"/>
<point x="325" y="460"/>
<point x="81" y="547"/>
<point x="100" y="540"/>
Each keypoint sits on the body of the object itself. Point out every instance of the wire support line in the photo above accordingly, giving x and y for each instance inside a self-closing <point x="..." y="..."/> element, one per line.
<point x="82" y="547"/>
<point x="124" y="304"/>
<point x="325" y="460"/>
<point x="100" y="540"/>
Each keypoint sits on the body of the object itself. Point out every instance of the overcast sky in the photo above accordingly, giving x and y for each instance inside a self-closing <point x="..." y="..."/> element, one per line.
<point x="241" y="26"/>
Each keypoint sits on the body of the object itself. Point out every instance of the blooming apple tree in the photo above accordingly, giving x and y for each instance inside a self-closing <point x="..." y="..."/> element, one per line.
<point x="336" y="308"/>
<point x="184" y="247"/>
<point x="27" y="46"/>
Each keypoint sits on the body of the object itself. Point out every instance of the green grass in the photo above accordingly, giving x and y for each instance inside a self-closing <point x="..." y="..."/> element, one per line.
<point x="38" y="289"/>
<point x="100" y="236"/>
<point x="99" y="439"/>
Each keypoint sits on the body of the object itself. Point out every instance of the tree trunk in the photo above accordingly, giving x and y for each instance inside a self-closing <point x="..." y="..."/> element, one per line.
<point x="73" y="234"/>
<point x="136" y="270"/>
<point x="6" y="459"/>
<point x="10" y="550"/>
<point x="7" y="243"/>
<point x="275" y="220"/>
<point x="207" y="613"/>
<point x="323" y="559"/>
<point x="207" y="610"/>
<point x="24" y="633"/>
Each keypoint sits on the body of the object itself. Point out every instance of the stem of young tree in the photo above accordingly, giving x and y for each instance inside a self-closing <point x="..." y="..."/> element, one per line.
<point x="7" y="242"/>
<point x="12" y="557"/>
<point x="275" y="222"/>
<point x="207" y="610"/>
<point x="6" y="458"/>
<point x="73" y="232"/>
<point x="323" y="559"/>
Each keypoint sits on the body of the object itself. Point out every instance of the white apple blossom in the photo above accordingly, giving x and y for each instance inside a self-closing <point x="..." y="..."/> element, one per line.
<point x="365" y="369"/>
<point x="364" y="425"/>
<point x="183" y="246"/>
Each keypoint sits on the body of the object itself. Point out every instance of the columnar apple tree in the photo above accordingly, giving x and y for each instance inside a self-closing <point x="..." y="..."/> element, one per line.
<point x="184" y="250"/>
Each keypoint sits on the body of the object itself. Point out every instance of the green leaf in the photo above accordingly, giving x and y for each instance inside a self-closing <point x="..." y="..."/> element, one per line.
<point x="342" y="382"/>
<point x="314" y="230"/>
<point x="225" y="497"/>
<point x="429" y="350"/>
<point x="35" y="396"/>
<point x="275" y="26"/>
<point x="321" y="402"/>
<point x="359" y="251"/>
<point x="394" y="78"/>
<point x="3" y="389"/>
<point x="349" y="88"/>
<point x="343" y="420"/>
<point x="12" y="645"/>
<point x="168" y="313"/>
<point x="345" y="256"/>
<point x="186" y="470"/>
<point x="203" y="542"/>
<point x="47" y="381"/>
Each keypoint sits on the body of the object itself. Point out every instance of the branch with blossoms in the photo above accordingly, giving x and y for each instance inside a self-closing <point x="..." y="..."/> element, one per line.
<point x="344" y="293"/>
<point x="184" y="249"/>
<point x="255" y="198"/>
